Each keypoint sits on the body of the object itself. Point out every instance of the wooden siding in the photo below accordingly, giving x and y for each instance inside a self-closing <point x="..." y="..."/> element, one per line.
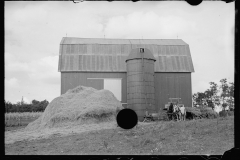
<point x="172" y="85"/>
<point x="167" y="85"/>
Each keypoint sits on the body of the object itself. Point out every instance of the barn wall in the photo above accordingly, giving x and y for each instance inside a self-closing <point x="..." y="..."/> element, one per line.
<point x="172" y="85"/>
<point x="167" y="85"/>
<point x="70" y="80"/>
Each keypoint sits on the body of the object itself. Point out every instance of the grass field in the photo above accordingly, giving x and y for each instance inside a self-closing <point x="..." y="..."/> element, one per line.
<point x="202" y="136"/>
<point x="13" y="120"/>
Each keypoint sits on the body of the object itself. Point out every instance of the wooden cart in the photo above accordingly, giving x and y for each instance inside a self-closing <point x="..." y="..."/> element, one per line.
<point x="174" y="101"/>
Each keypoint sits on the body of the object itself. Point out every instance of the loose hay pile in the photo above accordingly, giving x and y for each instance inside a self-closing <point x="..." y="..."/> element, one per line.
<point x="80" y="105"/>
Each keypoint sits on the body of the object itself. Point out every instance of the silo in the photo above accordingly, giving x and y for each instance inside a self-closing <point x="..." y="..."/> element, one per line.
<point x="140" y="81"/>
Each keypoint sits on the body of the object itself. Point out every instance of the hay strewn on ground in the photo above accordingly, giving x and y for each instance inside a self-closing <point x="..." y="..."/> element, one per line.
<point x="78" y="106"/>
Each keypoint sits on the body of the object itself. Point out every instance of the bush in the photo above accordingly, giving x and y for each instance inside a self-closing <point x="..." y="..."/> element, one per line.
<point x="200" y="112"/>
<point x="230" y="113"/>
<point x="207" y="112"/>
<point x="223" y="113"/>
<point x="35" y="106"/>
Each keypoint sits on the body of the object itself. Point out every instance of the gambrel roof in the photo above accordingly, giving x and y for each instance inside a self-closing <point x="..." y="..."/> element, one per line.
<point x="109" y="55"/>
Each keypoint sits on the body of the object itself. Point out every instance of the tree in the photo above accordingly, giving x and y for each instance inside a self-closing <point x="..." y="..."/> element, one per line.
<point x="225" y="88"/>
<point x="231" y="89"/>
<point x="200" y="97"/>
<point x="213" y="91"/>
<point x="213" y="88"/>
<point x="8" y="106"/>
<point x="208" y="93"/>
<point x="194" y="99"/>
<point x="35" y="102"/>
<point x="225" y="91"/>
<point x="231" y="93"/>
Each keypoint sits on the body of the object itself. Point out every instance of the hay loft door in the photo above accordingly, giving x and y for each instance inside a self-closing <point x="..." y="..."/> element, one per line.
<point x="115" y="86"/>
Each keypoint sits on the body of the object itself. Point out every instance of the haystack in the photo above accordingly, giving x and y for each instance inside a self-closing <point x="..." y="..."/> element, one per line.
<point x="78" y="106"/>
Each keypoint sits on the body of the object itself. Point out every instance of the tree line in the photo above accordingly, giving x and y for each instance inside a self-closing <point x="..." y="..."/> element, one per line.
<point x="223" y="93"/>
<point x="34" y="106"/>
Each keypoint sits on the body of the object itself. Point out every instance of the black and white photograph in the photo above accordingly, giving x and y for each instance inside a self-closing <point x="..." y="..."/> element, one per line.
<point x="118" y="78"/>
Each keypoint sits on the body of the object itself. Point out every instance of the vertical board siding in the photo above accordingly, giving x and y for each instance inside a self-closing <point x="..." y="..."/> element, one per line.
<point x="68" y="49"/>
<point x="71" y="62"/>
<point x="114" y="63"/>
<point x="119" y="62"/>
<point x="98" y="62"/>
<point x="186" y="63"/>
<point x="164" y="52"/>
<point x="178" y="62"/>
<point x="84" y="62"/>
<point x="110" y="63"/>
<point x="75" y="63"/>
<point x="93" y="62"/>
<point x="89" y="49"/>
<point x="177" y="85"/>
<point x="181" y="63"/>
<point x="160" y="63"/>
<point x="102" y="63"/>
<point x="80" y="63"/>
<point x="67" y="64"/>
<point x="174" y="63"/>
<point x="169" y="63"/>
<point x="95" y="83"/>
<point x="88" y="63"/>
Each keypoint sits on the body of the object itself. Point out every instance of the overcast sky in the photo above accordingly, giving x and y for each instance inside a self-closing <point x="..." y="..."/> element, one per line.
<point x="33" y="31"/>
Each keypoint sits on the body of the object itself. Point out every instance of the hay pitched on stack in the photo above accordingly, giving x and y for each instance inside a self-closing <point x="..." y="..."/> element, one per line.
<point x="79" y="105"/>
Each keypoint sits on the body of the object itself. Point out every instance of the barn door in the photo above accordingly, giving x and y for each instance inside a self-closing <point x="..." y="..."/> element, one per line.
<point x="115" y="86"/>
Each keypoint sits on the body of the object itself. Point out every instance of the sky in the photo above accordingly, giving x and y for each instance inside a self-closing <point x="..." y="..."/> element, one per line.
<point x="33" y="31"/>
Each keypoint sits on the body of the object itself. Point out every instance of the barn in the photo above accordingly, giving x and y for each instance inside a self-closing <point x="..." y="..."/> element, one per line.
<point x="102" y="64"/>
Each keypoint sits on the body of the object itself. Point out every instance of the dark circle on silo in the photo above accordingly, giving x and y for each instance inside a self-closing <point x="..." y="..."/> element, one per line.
<point x="127" y="118"/>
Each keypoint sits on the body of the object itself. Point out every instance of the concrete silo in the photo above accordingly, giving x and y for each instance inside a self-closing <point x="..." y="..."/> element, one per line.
<point x="140" y="81"/>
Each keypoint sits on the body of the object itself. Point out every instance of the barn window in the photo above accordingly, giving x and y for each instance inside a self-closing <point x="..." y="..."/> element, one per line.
<point x="141" y="50"/>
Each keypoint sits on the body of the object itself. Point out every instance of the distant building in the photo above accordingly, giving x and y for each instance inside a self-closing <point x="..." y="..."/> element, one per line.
<point x="101" y="64"/>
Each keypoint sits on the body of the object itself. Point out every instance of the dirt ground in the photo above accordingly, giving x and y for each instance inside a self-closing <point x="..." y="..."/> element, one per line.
<point x="203" y="136"/>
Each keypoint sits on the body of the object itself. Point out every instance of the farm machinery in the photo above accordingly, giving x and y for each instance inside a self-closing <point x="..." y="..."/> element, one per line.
<point x="163" y="115"/>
